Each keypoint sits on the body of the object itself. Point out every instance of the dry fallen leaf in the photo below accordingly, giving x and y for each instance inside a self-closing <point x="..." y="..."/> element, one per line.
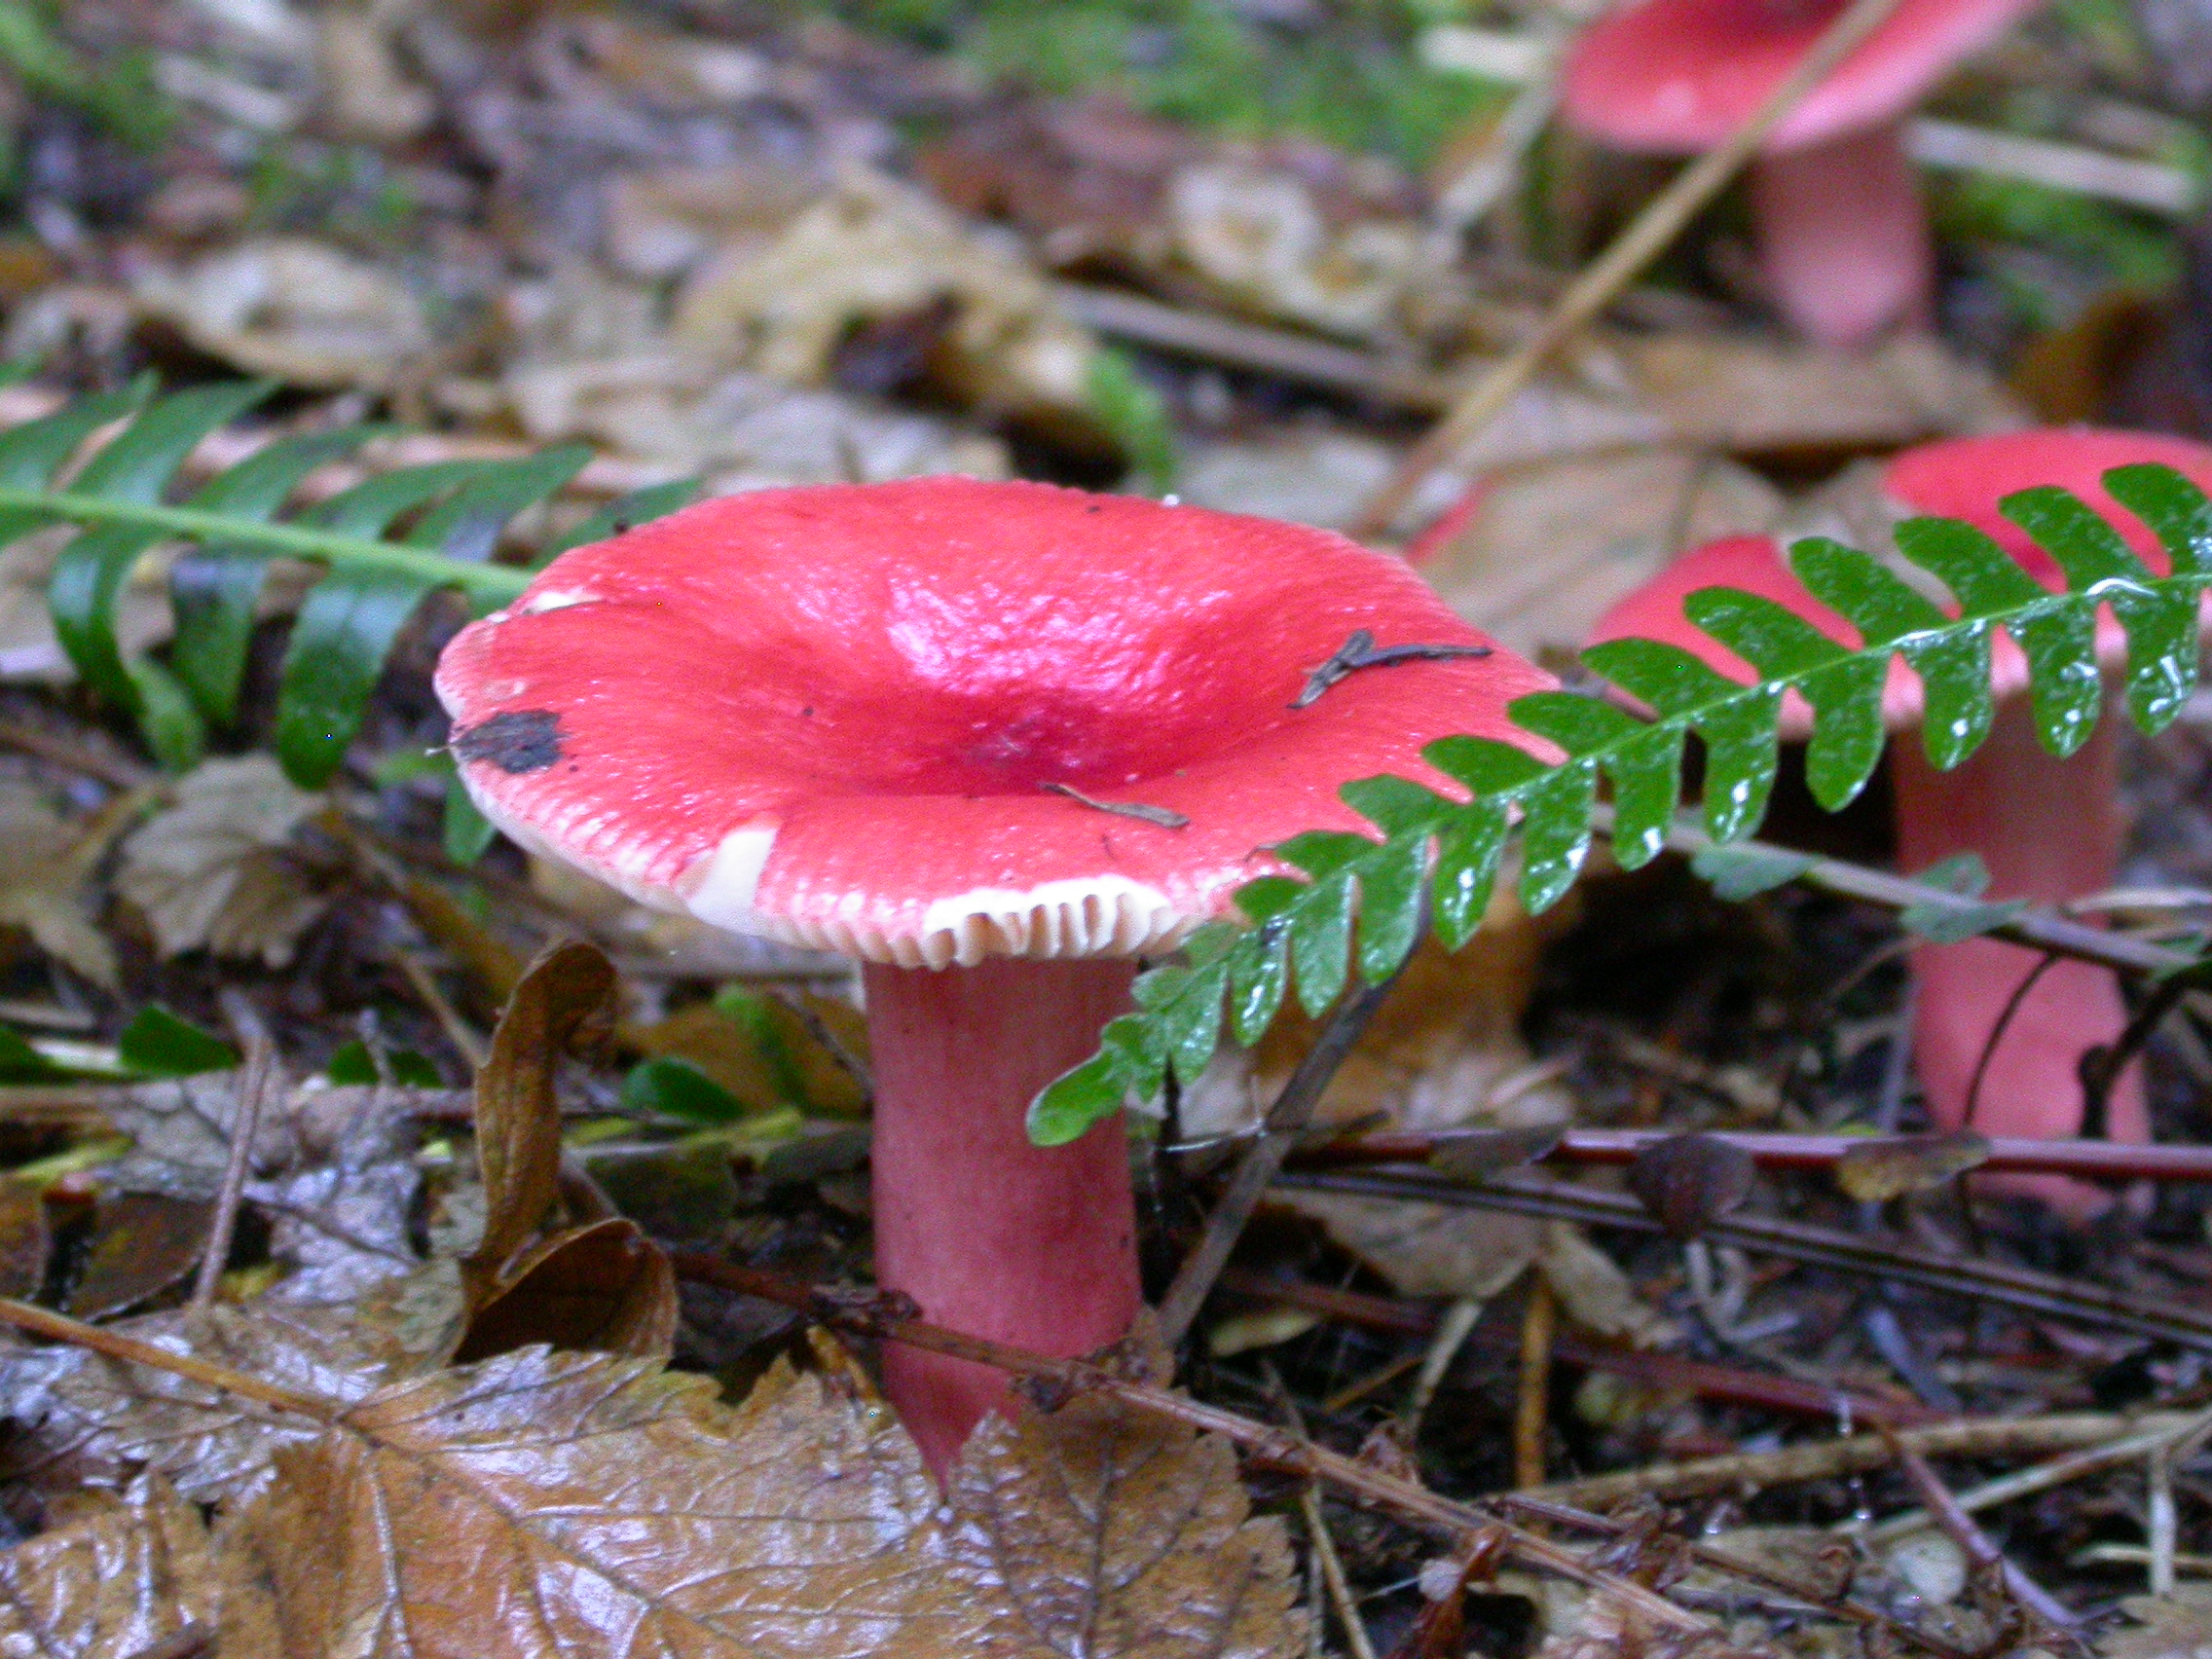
<point x="2176" y="1626"/>
<point x="42" y="892"/>
<point x="25" y="1237"/>
<point x="873" y="249"/>
<point x="1538" y="552"/>
<point x="293" y="307"/>
<point x="213" y="871"/>
<point x="606" y="1506"/>
<point x="1444" y="1053"/>
<point x="124" y="1572"/>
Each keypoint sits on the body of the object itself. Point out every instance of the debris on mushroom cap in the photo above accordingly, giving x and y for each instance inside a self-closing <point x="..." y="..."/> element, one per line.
<point x="1962" y="478"/>
<point x="1675" y="75"/>
<point x="832" y="715"/>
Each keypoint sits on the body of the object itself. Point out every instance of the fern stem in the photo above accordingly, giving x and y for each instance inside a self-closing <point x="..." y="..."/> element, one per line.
<point x="496" y="582"/>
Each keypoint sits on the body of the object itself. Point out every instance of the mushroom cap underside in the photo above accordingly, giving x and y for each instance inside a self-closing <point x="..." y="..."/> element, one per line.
<point x="935" y="720"/>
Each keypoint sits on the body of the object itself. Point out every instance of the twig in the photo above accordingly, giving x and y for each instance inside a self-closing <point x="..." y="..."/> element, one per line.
<point x="1332" y="1564"/>
<point x="2097" y="1160"/>
<point x="1729" y="1383"/>
<point x="1980" y="1547"/>
<point x="465" y="1042"/>
<point x="1531" y="1416"/>
<point x="1831" y="1460"/>
<point x="1662" y="219"/>
<point x="1166" y="817"/>
<point x="255" y="1084"/>
<point x="1766" y="1574"/>
<point x="1052" y="1381"/>
<point x="1250" y="346"/>
<point x="1285" y="1123"/>
<point x="74" y="755"/>
<point x="102" y="1340"/>
<point x="1445" y="1341"/>
<point x="2014" y="1287"/>
<point x="1359" y="650"/>
<point x="2039" y="930"/>
<point x="2171" y="1438"/>
<point x="2074" y="167"/>
<point x="2003" y="1023"/>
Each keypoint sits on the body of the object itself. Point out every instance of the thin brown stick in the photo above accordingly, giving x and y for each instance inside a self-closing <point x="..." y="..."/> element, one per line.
<point x="1662" y="219"/>
<point x="1979" y="1548"/>
<point x="1050" y="1380"/>
<point x="2096" y="1160"/>
<point x="1531" y="1416"/>
<point x="2082" y="1300"/>
<point x="1662" y="1371"/>
<point x="1831" y="1459"/>
<point x="255" y="1084"/>
<point x="1284" y="1125"/>
<point x="115" y="1344"/>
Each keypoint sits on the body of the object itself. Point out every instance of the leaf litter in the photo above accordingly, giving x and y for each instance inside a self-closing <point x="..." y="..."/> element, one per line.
<point x="761" y="252"/>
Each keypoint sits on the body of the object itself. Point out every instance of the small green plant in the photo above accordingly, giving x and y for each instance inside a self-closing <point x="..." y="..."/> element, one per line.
<point x="1362" y="902"/>
<point x="384" y="545"/>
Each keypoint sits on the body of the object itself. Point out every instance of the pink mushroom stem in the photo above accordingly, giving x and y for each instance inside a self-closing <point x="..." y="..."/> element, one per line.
<point x="1034" y="1246"/>
<point x="2049" y="832"/>
<point x="1844" y="238"/>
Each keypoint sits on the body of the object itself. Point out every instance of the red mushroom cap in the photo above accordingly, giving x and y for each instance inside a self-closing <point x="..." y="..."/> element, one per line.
<point x="835" y="715"/>
<point x="1682" y="75"/>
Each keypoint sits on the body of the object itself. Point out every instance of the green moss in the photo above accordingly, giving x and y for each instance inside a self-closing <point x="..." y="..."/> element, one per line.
<point x="1351" y="76"/>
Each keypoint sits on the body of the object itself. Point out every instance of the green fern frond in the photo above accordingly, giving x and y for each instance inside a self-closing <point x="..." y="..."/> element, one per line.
<point x="1358" y="900"/>
<point x="108" y="464"/>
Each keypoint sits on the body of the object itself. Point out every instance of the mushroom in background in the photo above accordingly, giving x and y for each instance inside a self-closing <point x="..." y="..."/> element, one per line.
<point x="994" y="740"/>
<point x="2048" y="830"/>
<point x="1843" y="231"/>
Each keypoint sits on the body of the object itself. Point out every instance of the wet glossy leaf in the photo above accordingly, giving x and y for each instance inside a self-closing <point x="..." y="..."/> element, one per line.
<point x="1882" y="608"/>
<point x="1954" y="670"/>
<point x="130" y="1572"/>
<point x="159" y="1043"/>
<point x="1976" y="568"/>
<point x="2066" y="688"/>
<point x="518" y="1124"/>
<point x="1467" y="866"/>
<point x="340" y="640"/>
<point x="1847" y="738"/>
<point x="1391" y="884"/>
<point x="1555" y="832"/>
<point x="607" y="1506"/>
<point x="1320" y="945"/>
<point x="2088" y="548"/>
<point x="1258" y="977"/>
<point x="603" y="1287"/>
<point x="1775" y="642"/>
<point x="2172" y="506"/>
<point x="1646" y="771"/>
<point x="1740" y="755"/>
